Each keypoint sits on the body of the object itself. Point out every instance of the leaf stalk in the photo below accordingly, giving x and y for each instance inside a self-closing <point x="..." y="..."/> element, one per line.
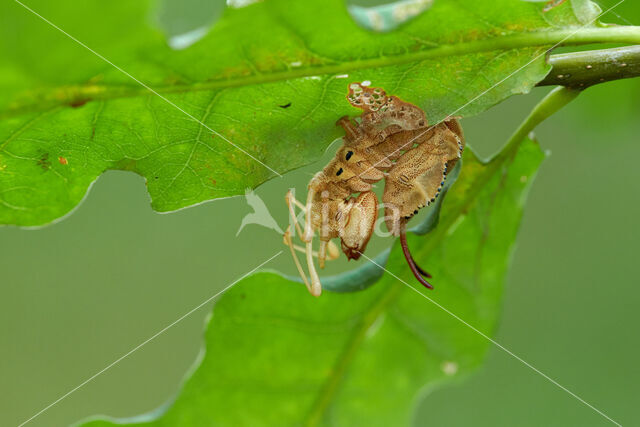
<point x="579" y="70"/>
<point x="549" y="105"/>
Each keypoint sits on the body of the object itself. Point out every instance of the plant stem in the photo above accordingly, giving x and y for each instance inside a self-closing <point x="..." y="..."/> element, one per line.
<point x="580" y="70"/>
<point x="549" y="105"/>
<point x="81" y="93"/>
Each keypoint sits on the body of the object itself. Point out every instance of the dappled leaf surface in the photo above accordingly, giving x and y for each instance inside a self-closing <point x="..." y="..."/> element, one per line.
<point x="66" y="116"/>
<point x="277" y="356"/>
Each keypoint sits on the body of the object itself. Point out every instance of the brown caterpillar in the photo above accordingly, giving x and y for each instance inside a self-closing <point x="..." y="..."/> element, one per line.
<point x="392" y="141"/>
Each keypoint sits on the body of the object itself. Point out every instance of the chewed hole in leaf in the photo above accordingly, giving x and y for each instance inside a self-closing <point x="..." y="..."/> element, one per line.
<point x="187" y="21"/>
<point x="388" y="16"/>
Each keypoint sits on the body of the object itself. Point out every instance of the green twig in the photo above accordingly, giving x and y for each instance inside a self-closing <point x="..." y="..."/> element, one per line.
<point x="580" y="70"/>
<point x="82" y="93"/>
<point x="549" y="105"/>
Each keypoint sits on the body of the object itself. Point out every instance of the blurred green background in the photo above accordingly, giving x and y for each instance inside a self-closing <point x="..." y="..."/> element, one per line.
<point x="79" y="294"/>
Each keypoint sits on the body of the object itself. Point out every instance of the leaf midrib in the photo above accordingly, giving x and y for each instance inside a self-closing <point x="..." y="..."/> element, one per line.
<point x="330" y="387"/>
<point x="72" y="95"/>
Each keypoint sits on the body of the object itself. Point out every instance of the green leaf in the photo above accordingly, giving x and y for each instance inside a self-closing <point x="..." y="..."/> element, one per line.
<point x="66" y="116"/>
<point x="277" y="356"/>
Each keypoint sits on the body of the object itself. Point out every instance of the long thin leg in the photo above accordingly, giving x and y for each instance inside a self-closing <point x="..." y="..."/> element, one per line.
<point x="299" y="204"/>
<point x="322" y="253"/>
<point x="333" y="251"/>
<point x="290" y="203"/>
<point x="412" y="264"/>
<point x="289" y="242"/>
<point x="315" y="254"/>
<point x="302" y="249"/>
<point x="316" y="287"/>
<point x="308" y="226"/>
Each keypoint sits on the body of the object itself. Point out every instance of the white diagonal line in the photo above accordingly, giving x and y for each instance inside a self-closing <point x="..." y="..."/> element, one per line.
<point x="136" y="348"/>
<point x="371" y="260"/>
<point x="144" y="85"/>
<point x="448" y="116"/>
<point x="497" y="344"/>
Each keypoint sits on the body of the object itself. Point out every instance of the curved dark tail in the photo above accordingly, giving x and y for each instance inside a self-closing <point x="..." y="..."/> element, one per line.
<point x="415" y="268"/>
